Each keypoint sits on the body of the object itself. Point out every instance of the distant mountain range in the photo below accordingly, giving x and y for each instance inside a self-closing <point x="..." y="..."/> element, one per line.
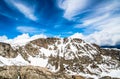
<point x="117" y="46"/>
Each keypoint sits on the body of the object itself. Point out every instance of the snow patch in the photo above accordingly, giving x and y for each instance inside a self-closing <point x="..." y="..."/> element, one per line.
<point x="13" y="61"/>
<point x="36" y="61"/>
<point x="112" y="73"/>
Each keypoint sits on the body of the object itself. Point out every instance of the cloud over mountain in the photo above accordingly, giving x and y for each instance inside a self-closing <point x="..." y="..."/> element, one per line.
<point x="97" y="20"/>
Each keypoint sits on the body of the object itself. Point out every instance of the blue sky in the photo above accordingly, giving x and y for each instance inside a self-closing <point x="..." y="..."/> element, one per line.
<point x="97" y="21"/>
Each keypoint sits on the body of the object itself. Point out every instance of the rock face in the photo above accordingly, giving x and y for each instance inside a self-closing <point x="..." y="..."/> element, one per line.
<point x="7" y="51"/>
<point x="68" y="56"/>
<point x="29" y="72"/>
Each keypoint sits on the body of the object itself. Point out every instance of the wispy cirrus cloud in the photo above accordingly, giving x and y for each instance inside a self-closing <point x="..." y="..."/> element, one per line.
<point x="26" y="11"/>
<point x="107" y="31"/>
<point x="23" y="8"/>
<point x="101" y="13"/>
<point x="95" y="20"/>
<point x="104" y="20"/>
<point x="30" y="30"/>
<point x="72" y="7"/>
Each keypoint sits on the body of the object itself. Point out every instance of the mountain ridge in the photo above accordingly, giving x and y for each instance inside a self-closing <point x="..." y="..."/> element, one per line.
<point x="68" y="55"/>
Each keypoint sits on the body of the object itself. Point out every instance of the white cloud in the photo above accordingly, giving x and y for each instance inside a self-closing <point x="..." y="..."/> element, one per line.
<point x="75" y="7"/>
<point x="38" y="36"/>
<point x="26" y="29"/>
<point x="100" y="13"/>
<point x="101" y="38"/>
<point x="112" y="24"/>
<point x="106" y="7"/>
<point x="3" y="38"/>
<point x="21" y="40"/>
<point x="105" y="22"/>
<point x="95" y="19"/>
<point x="24" y="9"/>
<point x="77" y="35"/>
<point x="108" y="34"/>
<point x="93" y="22"/>
<point x="72" y="7"/>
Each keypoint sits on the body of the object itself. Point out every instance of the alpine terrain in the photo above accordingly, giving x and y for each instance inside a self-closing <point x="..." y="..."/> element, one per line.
<point x="58" y="58"/>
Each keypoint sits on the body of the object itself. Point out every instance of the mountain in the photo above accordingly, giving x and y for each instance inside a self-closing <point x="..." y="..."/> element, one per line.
<point x="70" y="56"/>
<point x="116" y="46"/>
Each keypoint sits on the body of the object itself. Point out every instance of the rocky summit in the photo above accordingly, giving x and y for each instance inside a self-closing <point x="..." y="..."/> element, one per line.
<point x="58" y="58"/>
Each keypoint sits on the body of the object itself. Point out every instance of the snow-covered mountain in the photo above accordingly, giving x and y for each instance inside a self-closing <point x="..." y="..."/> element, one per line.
<point x="63" y="55"/>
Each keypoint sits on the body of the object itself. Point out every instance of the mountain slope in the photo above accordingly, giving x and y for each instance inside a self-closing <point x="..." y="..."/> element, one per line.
<point x="68" y="55"/>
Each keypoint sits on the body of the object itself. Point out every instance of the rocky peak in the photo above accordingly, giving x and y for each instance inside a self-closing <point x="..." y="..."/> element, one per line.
<point x="44" y="42"/>
<point x="65" y="55"/>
